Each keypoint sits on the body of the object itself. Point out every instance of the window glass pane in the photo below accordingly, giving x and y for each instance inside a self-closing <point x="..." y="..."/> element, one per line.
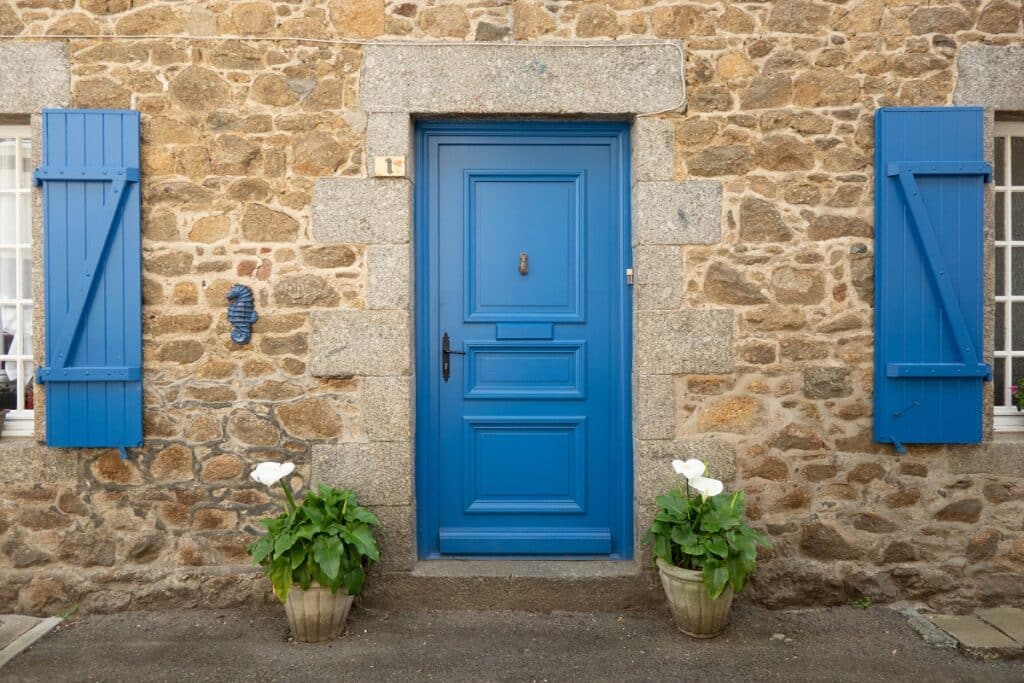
<point x="8" y="278"/>
<point x="1000" y="216"/>
<point x="1000" y="270"/>
<point x="1000" y="160"/>
<point x="998" y="378"/>
<point x="1017" y="327"/>
<point x="1017" y="274"/>
<point x="1017" y="215"/>
<point x="8" y="218"/>
<point x="7" y="163"/>
<point x="1000" y="326"/>
<point x="26" y="218"/>
<point x="1017" y="161"/>
<point x="1017" y="374"/>
<point x="26" y="316"/>
<point x="26" y="163"/>
<point x="26" y="276"/>
<point x="28" y="400"/>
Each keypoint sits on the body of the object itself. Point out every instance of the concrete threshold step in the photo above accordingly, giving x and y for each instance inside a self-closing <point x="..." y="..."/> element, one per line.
<point x="542" y="569"/>
<point x="531" y="585"/>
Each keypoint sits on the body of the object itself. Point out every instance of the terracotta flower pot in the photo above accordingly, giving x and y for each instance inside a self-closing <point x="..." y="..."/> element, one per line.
<point x="316" y="614"/>
<point x="694" y="612"/>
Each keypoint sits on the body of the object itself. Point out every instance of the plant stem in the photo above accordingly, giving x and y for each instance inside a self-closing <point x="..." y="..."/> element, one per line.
<point x="288" y="495"/>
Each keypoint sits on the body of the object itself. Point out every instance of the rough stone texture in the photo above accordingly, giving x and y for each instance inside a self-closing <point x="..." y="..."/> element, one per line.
<point x="33" y="76"/>
<point x="540" y="79"/>
<point x="362" y="210"/>
<point x="387" y="408"/>
<point x="683" y="342"/>
<point x="653" y="462"/>
<point x="653" y="149"/>
<point x="688" y="212"/>
<point x="782" y="96"/>
<point x="348" y="343"/>
<point x="990" y="76"/>
<point x="388" y="271"/>
<point x="389" y="135"/>
<point x="381" y="473"/>
<point x="654" y="407"/>
<point x="658" y="282"/>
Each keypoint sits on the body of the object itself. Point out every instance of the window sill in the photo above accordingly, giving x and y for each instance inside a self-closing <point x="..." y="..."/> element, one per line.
<point x="16" y="446"/>
<point x="1008" y="437"/>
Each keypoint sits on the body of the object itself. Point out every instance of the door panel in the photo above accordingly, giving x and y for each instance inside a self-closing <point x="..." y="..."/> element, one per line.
<point x="522" y="242"/>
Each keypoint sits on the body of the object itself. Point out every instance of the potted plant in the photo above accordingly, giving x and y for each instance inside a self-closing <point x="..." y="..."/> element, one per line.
<point x="704" y="550"/>
<point x="316" y="554"/>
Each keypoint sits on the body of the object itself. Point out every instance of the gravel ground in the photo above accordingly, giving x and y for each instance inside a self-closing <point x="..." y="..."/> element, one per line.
<point x="838" y="644"/>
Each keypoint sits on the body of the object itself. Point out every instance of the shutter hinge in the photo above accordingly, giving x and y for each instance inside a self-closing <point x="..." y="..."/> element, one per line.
<point x="629" y="276"/>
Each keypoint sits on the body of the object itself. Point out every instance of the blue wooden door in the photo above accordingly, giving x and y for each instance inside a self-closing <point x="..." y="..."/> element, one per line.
<point x="523" y="442"/>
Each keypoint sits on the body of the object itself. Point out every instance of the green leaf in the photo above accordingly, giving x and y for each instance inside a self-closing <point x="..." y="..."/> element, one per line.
<point x="274" y="524"/>
<point x="283" y="543"/>
<point x="261" y="548"/>
<point x="716" y="576"/>
<point x="327" y="552"/>
<point x="663" y="549"/>
<point x="694" y="549"/>
<point x="317" y="517"/>
<point x="354" y="580"/>
<point x="362" y="538"/>
<point x="738" y="571"/>
<point x="745" y="545"/>
<point x="281" y="577"/>
<point x="718" y="546"/>
<point x="683" y="536"/>
<point x="673" y="503"/>
<point x="298" y="556"/>
<point x="359" y="514"/>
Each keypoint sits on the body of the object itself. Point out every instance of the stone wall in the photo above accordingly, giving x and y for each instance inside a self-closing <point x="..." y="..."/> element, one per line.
<point x="236" y="134"/>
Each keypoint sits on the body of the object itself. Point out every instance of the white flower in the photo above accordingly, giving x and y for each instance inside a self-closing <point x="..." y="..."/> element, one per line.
<point x="706" y="487"/>
<point x="269" y="473"/>
<point x="691" y="469"/>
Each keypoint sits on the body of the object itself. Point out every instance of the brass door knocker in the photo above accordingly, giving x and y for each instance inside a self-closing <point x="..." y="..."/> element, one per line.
<point x="523" y="267"/>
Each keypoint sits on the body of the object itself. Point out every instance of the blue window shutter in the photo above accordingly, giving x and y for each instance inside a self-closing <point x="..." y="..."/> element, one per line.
<point x="93" y="281"/>
<point x="929" y="254"/>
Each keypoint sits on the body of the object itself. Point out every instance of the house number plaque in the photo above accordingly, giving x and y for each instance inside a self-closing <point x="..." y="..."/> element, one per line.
<point x="389" y="167"/>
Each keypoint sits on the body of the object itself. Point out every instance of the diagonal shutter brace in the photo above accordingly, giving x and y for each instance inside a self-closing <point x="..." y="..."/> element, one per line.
<point x="971" y="365"/>
<point x="57" y="371"/>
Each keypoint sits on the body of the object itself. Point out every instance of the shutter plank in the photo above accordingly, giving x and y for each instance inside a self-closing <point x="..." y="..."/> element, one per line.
<point x="92" y="243"/>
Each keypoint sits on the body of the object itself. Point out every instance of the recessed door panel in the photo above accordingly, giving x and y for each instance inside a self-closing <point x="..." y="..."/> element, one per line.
<point x="522" y="246"/>
<point x="525" y="465"/>
<point x="524" y="371"/>
<point x="523" y="355"/>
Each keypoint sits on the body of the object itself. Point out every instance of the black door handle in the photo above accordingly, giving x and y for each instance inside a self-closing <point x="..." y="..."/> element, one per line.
<point x="446" y="357"/>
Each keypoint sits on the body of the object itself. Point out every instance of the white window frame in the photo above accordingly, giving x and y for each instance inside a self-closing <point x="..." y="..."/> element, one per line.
<point x="1007" y="418"/>
<point x="21" y="421"/>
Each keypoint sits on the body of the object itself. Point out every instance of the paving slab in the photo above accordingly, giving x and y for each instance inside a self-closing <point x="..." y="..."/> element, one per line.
<point x="974" y="634"/>
<point x="18" y="631"/>
<point x="13" y="625"/>
<point x="1009" y="620"/>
